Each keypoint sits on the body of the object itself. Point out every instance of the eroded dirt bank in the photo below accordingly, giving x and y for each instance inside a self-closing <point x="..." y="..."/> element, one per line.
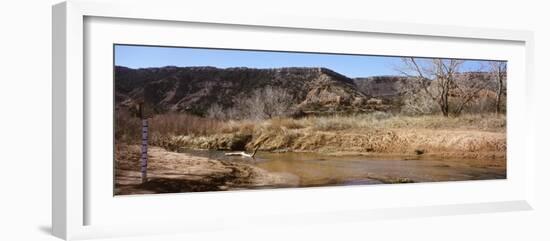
<point x="170" y="172"/>
<point x="468" y="144"/>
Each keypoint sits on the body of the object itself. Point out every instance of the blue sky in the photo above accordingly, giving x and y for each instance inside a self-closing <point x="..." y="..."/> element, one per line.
<point x="350" y="65"/>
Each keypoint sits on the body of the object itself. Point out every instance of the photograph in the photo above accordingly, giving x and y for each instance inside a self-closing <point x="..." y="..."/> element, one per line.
<point x="194" y="119"/>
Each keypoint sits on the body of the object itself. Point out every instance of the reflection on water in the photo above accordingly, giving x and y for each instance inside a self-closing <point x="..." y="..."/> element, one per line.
<point x="315" y="169"/>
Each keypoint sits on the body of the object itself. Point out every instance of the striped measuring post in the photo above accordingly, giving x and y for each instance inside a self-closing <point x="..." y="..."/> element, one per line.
<point x="144" y="143"/>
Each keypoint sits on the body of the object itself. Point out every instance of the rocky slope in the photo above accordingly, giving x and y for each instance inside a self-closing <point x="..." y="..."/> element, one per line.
<point x="381" y="86"/>
<point x="196" y="89"/>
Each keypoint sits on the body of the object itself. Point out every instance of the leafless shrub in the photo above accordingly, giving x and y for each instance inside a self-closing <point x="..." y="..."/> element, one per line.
<point x="416" y="102"/>
<point x="484" y="103"/>
<point x="233" y="113"/>
<point x="216" y="112"/>
<point x="267" y="103"/>
<point x="441" y="83"/>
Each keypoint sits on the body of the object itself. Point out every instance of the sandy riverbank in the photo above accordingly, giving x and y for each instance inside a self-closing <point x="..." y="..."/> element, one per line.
<point x="170" y="172"/>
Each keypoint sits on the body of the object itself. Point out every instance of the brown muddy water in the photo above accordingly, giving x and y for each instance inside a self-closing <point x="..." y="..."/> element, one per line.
<point x="314" y="169"/>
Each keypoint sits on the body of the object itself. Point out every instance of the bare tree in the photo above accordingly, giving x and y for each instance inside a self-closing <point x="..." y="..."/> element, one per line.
<point x="468" y="87"/>
<point x="277" y="101"/>
<point x="441" y="80"/>
<point x="254" y="106"/>
<point x="268" y="103"/>
<point x="498" y="72"/>
<point x="216" y="112"/>
<point x="233" y="113"/>
<point x="415" y="101"/>
<point x="439" y="73"/>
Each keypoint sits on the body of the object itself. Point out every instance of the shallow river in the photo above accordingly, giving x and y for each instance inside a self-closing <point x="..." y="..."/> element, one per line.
<point x="315" y="169"/>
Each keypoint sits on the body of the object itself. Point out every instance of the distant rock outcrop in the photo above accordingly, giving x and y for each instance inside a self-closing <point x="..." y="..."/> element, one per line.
<point x="381" y="86"/>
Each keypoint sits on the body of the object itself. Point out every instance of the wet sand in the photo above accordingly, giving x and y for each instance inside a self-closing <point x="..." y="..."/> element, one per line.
<point x="171" y="172"/>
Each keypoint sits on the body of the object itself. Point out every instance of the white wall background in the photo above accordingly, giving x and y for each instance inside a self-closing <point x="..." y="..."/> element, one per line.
<point x="25" y="119"/>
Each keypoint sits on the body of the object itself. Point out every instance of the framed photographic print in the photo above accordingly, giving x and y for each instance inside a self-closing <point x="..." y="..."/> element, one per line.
<point x="226" y="119"/>
<point x="178" y="121"/>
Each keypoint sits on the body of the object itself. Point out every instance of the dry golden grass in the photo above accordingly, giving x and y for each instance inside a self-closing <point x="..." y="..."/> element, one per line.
<point x="380" y="120"/>
<point x="287" y="123"/>
<point x="184" y="124"/>
<point x="238" y="127"/>
<point x="128" y="127"/>
<point x="467" y="135"/>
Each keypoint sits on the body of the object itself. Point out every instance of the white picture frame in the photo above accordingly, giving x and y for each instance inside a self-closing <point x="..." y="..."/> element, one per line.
<point x="73" y="190"/>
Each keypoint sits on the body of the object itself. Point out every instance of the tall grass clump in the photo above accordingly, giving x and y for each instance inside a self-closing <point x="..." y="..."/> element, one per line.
<point x="128" y="126"/>
<point x="184" y="124"/>
<point x="287" y="123"/>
